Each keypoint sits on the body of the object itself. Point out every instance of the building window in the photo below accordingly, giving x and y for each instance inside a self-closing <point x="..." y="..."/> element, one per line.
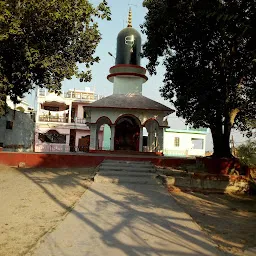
<point x="197" y="143"/>
<point x="52" y="136"/>
<point x="176" y="141"/>
<point x="9" y="125"/>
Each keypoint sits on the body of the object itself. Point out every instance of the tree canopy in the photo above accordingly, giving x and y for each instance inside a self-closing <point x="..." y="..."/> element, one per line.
<point x="41" y="43"/>
<point x="209" y="52"/>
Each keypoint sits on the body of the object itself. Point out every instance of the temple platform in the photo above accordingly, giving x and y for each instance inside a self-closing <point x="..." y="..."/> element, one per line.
<point x="79" y="160"/>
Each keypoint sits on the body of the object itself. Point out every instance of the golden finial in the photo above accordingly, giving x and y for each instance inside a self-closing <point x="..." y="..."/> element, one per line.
<point x="130" y="18"/>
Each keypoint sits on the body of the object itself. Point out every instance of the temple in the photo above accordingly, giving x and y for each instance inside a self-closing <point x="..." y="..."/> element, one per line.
<point x="127" y="112"/>
<point x="126" y="122"/>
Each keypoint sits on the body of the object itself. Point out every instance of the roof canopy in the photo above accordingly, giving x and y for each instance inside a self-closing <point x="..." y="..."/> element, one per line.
<point x="129" y="101"/>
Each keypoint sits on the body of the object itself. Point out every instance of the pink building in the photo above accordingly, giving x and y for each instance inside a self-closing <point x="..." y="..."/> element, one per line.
<point x="61" y="121"/>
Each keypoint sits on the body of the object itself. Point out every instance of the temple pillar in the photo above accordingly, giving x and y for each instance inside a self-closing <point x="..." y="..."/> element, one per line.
<point x="160" y="146"/>
<point x="151" y="139"/>
<point x="141" y="140"/>
<point x="112" y="140"/>
<point x="93" y="136"/>
<point x="69" y="113"/>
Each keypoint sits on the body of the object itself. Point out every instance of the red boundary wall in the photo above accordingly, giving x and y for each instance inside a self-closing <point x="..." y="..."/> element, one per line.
<point x="82" y="160"/>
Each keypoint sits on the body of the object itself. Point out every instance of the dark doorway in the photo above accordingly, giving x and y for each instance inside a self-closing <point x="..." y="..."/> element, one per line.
<point x="127" y="134"/>
<point x="84" y="143"/>
<point x="72" y="141"/>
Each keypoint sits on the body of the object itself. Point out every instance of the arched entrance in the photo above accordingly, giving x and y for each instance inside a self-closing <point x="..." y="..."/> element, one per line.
<point x="103" y="135"/>
<point x="127" y="134"/>
<point x="153" y="140"/>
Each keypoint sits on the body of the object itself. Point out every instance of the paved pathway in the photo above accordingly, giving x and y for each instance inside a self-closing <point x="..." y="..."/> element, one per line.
<point x="126" y="219"/>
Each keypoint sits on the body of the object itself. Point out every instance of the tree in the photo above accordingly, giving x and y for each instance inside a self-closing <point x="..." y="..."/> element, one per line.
<point x="247" y="153"/>
<point x="41" y="43"/>
<point x="209" y="50"/>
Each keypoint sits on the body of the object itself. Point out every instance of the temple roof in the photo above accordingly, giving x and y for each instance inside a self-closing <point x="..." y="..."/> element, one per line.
<point x="129" y="101"/>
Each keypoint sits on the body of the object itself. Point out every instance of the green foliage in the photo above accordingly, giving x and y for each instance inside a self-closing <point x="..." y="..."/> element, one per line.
<point x="41" y="43"/>
<point x="21" y="109"/>
<point x="209" y="50"/>
<point x="247" y="153"/>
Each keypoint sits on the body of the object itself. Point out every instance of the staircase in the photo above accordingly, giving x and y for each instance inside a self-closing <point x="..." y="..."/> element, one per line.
<point x="118" y="172"/>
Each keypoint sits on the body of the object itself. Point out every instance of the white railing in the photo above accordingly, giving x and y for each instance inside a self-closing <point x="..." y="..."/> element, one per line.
<point x="52" y="148"/>
<point x="43" y="118"/>
<point x="73" y="95"/>
<point x="60" y="148"/>
<point x="81" y="96"/>
<point x="171" y="152"/>
<point x="78" y="120"/>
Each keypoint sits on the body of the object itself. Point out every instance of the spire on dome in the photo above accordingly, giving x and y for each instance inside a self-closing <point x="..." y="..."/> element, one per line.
<point x="130" y="18"/>
<point x="128" y="45"/>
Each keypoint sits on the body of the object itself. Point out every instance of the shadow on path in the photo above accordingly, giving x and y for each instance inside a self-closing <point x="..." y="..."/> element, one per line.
<point x="134" y="219"/>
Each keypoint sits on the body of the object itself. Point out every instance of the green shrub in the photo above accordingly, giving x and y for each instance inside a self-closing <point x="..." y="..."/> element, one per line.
<point x="247" y="153"/>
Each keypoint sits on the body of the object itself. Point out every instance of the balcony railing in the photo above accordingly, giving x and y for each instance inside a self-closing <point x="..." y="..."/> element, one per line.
<point x="78" y="120"/>
<point x="53" y="119"/>
<point x="83" y="96"/>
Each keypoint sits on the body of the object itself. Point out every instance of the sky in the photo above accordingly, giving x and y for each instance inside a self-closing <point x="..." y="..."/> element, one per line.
<point x="99" y="83"/>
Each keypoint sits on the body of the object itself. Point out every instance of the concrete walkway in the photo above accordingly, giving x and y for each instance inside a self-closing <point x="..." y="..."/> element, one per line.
<point x="126" y="219"/>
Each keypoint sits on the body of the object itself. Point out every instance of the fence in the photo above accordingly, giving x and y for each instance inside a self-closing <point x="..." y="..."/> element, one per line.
<point x="61" y="148"/>
<point x="53" y="119"/>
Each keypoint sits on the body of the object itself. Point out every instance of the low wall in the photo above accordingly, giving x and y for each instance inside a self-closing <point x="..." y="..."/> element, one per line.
<point x="211" y="183"/>
<point x="52" y="160"/>
<point x="17" y="131"/>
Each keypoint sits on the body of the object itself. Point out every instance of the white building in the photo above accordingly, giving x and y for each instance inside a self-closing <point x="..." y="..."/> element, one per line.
<point x="190" y="142"/>
<point x="61" y="121"/>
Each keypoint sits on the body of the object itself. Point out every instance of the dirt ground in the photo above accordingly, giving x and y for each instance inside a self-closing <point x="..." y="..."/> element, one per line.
<point x="33" y="201"/>
<point x="230" y="220"/>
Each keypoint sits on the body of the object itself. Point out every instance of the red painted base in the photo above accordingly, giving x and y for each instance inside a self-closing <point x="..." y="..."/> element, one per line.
<point x="221" y="166"/>
<point x="82" y="160"/>
<point x="126" y="152"/>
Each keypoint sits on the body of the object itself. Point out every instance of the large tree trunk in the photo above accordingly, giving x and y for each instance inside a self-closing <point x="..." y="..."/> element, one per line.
<point x="221" y="147"/>
<point x="221" y="137"/>
<point x="220" y="140"/>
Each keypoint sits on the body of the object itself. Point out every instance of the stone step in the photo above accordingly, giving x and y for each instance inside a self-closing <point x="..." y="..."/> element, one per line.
<point x="126" y="162"/>
<point x="125" y="179"/>
<point x="126" y="174"/>
<point x="127" y="168"/>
